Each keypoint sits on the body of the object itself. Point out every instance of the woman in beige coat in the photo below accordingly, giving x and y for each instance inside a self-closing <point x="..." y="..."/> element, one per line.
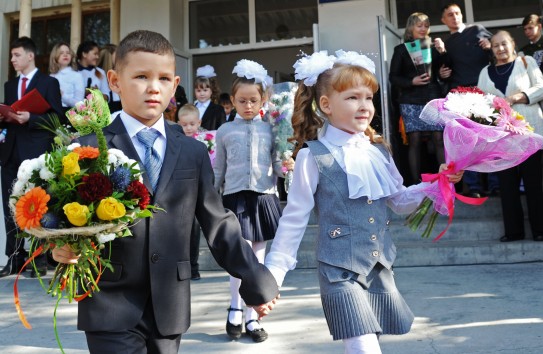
<point x="520" y="82"/>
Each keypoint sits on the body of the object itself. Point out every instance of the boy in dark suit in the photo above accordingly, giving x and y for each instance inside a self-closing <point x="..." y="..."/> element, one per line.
<point x="144" y="304"/>
<point x="25" y="139"/>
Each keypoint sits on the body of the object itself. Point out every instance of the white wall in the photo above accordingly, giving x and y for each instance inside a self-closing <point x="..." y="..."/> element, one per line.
<point x="145" y="15"/>
<point x="350" y="25"/>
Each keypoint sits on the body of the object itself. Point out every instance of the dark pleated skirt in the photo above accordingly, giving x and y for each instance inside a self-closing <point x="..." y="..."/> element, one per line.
<point x="258" y="214"/>
<point x="362" y="305"/>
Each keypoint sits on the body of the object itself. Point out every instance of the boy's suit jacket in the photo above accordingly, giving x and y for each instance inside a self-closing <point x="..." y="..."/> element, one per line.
<point x="155" y="261"/>
<point x="29" y="140"/>
<point x="213" y="117"/>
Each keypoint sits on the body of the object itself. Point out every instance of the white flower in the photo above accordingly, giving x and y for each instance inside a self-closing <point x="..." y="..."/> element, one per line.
<point x="354" y="58"/>
<point x="308" y="68"/>
<point x="103" y="238"/>
<point x="206" y="71"/>
<point x="45" y="174"/>
<point x="252" y="70"/>
<point x="470" y="105"/>
<point x="72" y="146"/>
<point x="18" y="187"/>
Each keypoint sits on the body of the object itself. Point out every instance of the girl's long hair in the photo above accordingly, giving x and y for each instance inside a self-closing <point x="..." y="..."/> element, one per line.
<point x="307" y="117"/>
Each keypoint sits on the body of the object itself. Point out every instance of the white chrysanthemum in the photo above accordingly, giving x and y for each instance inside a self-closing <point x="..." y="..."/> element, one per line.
<point x="72" y="146"/>
<point x="354" y="58"/>
<point x="309" y="67"/>
<point x="28" y="187"/>
<point x="206" y="71"/>
<point x="26" y="168"/>
<point x="103" y="238"/>
<point x="470" y="105"/>
<point x="252" y="70"/>
<point x="18" y="187"/>
<point x="45" y="174"/>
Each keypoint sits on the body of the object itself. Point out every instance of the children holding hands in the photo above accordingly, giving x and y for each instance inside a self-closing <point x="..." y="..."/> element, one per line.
<point x="345" y="170"/>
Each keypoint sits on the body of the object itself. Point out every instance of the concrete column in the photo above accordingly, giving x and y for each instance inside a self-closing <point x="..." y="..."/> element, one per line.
<point x="115" y="21"/>
<point x="76" y="23"/>
<point x="25" y="19"/>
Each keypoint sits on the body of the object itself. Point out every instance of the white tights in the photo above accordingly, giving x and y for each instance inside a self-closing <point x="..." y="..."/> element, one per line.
<point x="235" y="317"/>
<point x="365" y="344"/>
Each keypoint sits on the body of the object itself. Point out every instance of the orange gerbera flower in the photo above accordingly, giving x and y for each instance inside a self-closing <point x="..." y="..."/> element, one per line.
<point x="87" y="152"/>
<point x="30" y="208"/>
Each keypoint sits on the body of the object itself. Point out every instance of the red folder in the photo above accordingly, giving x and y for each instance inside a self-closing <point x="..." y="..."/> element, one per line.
<point x="33" y="102"/>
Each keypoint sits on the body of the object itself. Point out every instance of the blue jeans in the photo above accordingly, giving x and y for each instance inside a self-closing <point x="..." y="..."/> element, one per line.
<point x="473" y="181"/>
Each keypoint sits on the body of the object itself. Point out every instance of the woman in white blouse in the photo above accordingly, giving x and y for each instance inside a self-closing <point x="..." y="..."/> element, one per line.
<point x="61" y="66"/>
<point x="520" y="82"/>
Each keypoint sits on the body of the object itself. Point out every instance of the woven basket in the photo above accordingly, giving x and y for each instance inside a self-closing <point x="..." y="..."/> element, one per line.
<point x="44" y="233"/>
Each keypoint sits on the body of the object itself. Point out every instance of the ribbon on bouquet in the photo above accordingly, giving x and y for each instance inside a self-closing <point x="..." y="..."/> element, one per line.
<point x="446" y="190"/>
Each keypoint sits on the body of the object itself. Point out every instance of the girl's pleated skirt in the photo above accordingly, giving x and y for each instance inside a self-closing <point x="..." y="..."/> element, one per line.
<point x="355" y="305"/>
<point x="258" y="214"/>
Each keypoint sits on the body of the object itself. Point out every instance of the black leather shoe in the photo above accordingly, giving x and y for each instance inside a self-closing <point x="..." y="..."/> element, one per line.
<point x="42" y="271"/>
<point x="233" y="331"/>
<point x="538" y="238"/>
<point x="474" y="193"/>
<point x="12" y="267"/>
<point x="511" y="238"/>
<point x="195" y="275"/>
<point x="258" y="335"/>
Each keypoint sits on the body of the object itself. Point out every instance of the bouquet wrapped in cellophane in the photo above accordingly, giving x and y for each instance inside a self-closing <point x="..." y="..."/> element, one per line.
<point x="208" y="138"/>
<point x="281" y="108"/>
<point x="79" y="196"/>
<point x="482" y="133"/>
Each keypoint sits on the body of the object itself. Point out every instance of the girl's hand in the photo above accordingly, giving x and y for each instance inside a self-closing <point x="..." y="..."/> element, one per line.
<point x="264" y="309"/>
<point x="289" y="164"/>
<point x="420" y="80"/>
<point x="65" y="255"/>
<point x="454" y="178"/>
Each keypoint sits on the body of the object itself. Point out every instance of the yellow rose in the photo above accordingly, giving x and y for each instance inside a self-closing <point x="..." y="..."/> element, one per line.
<point x="76" y="213"/>
<point x="110" y="209"/>
<point x="70" y="163"/>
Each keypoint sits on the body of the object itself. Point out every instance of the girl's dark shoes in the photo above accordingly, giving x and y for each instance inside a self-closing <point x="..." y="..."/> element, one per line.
<point x="233" y="331"/>
<point x="258" y="335"/>
<point x="511" y="238"/>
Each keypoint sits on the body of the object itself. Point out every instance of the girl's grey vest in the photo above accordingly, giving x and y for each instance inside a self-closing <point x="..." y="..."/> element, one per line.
<point x="353" y="233"/>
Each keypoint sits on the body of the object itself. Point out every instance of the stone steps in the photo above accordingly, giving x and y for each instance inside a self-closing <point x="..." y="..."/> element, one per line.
<point x="472" y="238"/>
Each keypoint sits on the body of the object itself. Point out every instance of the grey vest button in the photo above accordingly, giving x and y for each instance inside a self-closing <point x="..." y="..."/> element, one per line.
<point x="154" y="257"/>
<point x="371" y="220"/>
<point x="375" y="253"/>
<point x="344" y="275"/>
<point x="373" y="237"/>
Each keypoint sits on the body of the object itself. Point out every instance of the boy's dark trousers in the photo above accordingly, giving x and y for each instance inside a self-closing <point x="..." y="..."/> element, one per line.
<point x="194" y="249"/>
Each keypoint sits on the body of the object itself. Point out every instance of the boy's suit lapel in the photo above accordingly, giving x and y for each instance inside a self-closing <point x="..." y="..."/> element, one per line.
<point x="173" y="149"/>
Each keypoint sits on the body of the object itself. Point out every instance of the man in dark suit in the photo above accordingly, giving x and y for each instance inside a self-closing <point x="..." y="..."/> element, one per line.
<point x="144" y="304"/>
<point x="25" y="139"/>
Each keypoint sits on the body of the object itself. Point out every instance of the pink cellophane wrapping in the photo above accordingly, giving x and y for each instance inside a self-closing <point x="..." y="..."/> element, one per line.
<point x="476" y="147"/>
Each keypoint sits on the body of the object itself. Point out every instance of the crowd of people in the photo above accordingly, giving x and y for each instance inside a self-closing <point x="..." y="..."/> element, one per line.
<point x="232" y="200"/>
<point x="473" y="56"/>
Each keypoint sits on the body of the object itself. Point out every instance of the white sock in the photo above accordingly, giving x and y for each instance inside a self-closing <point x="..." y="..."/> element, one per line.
<point x="235" y="317"/>
<point x="365" y="344"/>
<point x="259" y="249"/>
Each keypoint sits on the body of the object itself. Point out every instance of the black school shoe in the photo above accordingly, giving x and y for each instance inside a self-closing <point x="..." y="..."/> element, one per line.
<point x="258" y="335"/>
<point x="233" y="331"/>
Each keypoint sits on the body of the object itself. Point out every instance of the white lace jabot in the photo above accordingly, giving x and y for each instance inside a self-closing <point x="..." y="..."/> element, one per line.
<point x="368" y="170"/>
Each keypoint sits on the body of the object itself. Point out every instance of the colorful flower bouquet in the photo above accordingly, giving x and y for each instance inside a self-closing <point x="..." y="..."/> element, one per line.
<point x="483" y="134"/>
<point x="281" y="107"/>
<point x="79" y="196"/>
<point x="208" y="138"/>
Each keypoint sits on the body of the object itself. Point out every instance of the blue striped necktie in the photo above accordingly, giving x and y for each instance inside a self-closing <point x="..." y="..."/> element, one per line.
<point x="152" y="161"/>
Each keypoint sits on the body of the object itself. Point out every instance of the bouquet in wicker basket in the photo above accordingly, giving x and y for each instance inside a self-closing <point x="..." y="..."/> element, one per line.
<point x="81" y="196"/>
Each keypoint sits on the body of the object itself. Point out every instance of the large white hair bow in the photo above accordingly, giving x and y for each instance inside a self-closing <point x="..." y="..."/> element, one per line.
<point x="252" y="70"/>
<point x="206" y="71"/>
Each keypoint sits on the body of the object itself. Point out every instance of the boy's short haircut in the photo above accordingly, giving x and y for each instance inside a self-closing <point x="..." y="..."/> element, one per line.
<point x="187" y="109"/>
<point x="142" y="41"/>
<point x="26" y="43"/>
<point x="532" y="19"/>
<point x="224" y="98"/>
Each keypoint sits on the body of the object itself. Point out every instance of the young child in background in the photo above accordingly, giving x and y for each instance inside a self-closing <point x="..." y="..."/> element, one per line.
<point x="229" y="111"/>
<point x="188" y="118"/>
<point x="247" y="163"/>
<point x="348" y="174"/>
<point x="62" y="67"/>
<point x="206" y="91"/>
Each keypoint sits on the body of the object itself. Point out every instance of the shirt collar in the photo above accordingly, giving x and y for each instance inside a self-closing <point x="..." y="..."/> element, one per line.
<point x="255" y="118"/>
<point x="339" y="137"/>
<point x="133" y="126"/>
<point x="461" y="28"/>
<point x="30" y="74"/>
<point x="202" y="104"/>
